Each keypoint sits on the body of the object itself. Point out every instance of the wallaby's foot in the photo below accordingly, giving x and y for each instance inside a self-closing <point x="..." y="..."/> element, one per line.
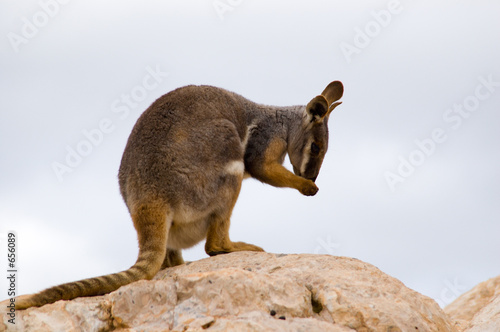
<point x="173" y="257"/>
<point x="214" y="250"/>
<point x="308" y="188"/>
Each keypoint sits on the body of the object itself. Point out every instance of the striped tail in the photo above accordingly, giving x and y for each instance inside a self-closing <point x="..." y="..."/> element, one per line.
<point x="150" y="223"/>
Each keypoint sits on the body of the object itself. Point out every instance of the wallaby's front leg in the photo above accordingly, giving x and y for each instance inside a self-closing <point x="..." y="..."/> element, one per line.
<point x="278" y="176"/>
<point x="272" y="172"/>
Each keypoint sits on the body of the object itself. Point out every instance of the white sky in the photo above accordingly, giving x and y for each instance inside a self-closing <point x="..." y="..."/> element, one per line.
<point x="438" y="231"/>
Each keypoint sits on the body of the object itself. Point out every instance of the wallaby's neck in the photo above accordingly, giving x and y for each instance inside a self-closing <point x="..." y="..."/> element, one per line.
<point x="295" y="119"/>
<point x="282" y="120"/>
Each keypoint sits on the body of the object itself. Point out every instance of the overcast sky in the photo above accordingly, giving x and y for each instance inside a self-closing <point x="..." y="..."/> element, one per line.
<point x="411" y="180"/>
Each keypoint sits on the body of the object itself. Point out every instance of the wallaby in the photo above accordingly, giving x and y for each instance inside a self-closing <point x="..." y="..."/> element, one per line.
<point x="182" y="169"/>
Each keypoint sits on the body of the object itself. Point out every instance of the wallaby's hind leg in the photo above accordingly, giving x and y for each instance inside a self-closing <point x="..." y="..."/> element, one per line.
<point x="218" y="241"/>
<point x="152" y="224"/>
<point x="173" y="257"/>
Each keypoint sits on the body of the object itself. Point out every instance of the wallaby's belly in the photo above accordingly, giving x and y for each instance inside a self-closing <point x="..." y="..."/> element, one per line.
<point x="187" y="234"/>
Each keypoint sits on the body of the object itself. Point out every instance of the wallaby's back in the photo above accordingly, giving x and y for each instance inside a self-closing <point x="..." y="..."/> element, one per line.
<point x="181" y="144"/>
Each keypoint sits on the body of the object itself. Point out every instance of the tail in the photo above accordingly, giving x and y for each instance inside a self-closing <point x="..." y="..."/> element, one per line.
<point x="150" y="223"/>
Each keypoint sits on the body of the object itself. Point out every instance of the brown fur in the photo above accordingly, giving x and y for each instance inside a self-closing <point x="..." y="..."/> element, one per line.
<point x="182" y="169"/>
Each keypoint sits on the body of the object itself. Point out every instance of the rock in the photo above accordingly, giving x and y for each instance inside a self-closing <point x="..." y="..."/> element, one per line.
<point x="249" y="291"/>
<point x="478" y="309"/>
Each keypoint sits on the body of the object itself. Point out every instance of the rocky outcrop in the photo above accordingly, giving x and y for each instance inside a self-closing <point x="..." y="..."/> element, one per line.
<point x="477" y="310"/>
<point x="249" y="291"/>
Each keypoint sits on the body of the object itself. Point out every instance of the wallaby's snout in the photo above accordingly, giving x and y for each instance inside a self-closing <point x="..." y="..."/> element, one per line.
<point x="311" y="176"/>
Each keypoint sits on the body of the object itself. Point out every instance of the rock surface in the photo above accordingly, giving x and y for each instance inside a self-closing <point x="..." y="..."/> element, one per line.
<point x="248" y="291"/>
<point x="477" y="310"/>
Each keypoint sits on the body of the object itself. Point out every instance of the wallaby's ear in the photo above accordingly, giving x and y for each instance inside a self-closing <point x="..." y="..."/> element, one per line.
<point x="332" y="93"/>
<point x="317" y="108"/>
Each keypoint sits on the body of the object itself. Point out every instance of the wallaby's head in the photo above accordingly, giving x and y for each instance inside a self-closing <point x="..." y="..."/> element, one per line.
<point x="309" y="140"/>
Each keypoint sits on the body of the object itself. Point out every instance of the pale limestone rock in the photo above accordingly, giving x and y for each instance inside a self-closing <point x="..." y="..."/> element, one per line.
<point x="259" y="321"/>
<point x="341" y="290"/>
<point x="487" y="319"/>
<point x="83" y="314"/>
<point x="478" y="309"/>
<point x="249" y="291"/>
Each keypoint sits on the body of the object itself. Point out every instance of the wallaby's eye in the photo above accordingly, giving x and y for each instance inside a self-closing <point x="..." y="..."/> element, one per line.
<point x="314" y="148"/>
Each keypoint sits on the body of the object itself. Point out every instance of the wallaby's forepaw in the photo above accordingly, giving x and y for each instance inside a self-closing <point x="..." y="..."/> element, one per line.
<point x="309" y="188"/>
<point x="234" y="246"/>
